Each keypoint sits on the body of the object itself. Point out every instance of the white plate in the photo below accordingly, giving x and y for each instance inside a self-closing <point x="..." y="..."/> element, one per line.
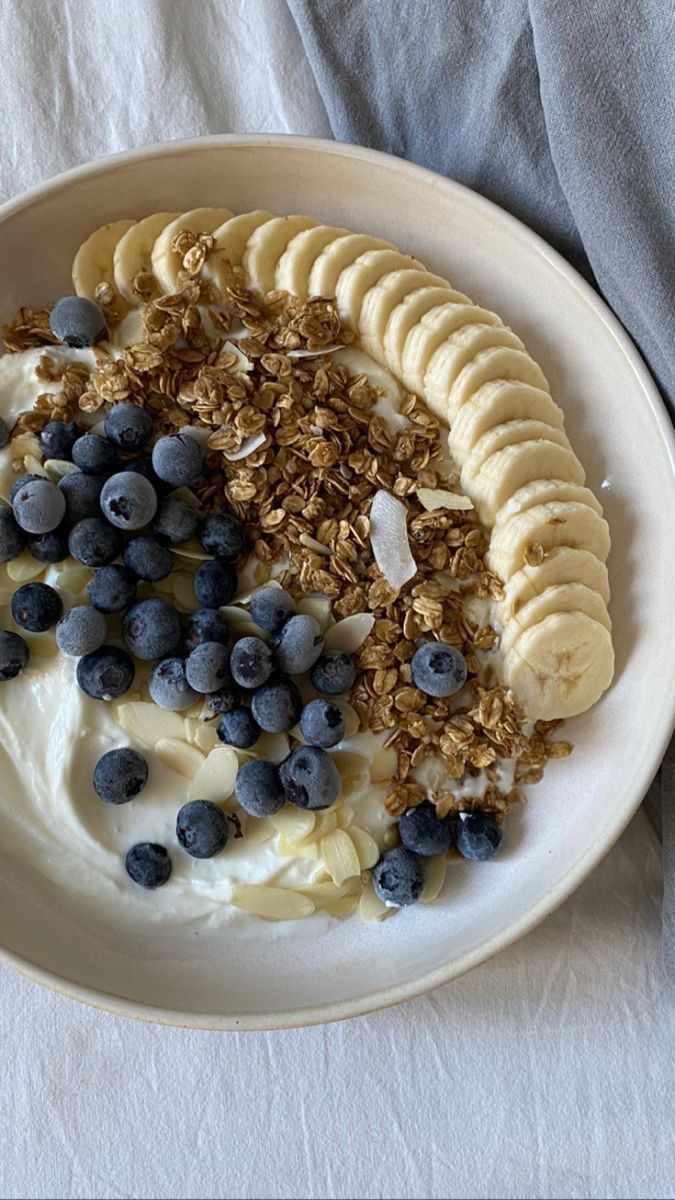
<point x="282" y="975"/>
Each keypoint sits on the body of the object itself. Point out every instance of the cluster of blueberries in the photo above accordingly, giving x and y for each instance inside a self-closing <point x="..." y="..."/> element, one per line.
<point x="117" y="488"/>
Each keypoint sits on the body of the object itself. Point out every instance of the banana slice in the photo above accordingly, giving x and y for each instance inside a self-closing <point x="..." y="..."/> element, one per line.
<point x="560" y="566"/>
<point x="295" y="265"/>
<point x="560" y="666"/>
<point x="509" y="469"/>
<point x="133" y="253"/>
<point x="265" y="247"/>
<point x="363" y="274"/>
<point x="470" y="349"/>
<point x="434" y="328"/>
<point x="230" y="240"/>
<point x="380" y="301"/>
<point x="541" y="491"/>
<point x="564" y="597"/>
<point x="93" y="263"/>
<point x="166" y="263"/>
<point x="495" y="403"/>
<point x="509" y="434"/>
<point x="498" y="363"/>
<point x="559" y="523"/>
<point x="407" y="314"/>
<point x="335" y="259"/>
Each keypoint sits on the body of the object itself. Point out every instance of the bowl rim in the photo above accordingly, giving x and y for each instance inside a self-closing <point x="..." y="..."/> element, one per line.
<point x="625" y="809"/>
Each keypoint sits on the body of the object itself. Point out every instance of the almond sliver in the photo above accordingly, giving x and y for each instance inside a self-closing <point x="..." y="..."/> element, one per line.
<point x="433" y="498"/>
<point x="350" y="633"/>
<point x="179" y="756"/>
<point x="339" y="855"/>
<point x="216" y="775"/>
<point x="148" y="723"/>
<point x="366" y="847"/>
<point x="272" y="903"/>
<point x="435" y="872"/>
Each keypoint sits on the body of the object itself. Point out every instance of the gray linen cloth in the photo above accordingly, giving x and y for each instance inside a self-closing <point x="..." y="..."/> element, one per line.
<point x="563" y="112"/>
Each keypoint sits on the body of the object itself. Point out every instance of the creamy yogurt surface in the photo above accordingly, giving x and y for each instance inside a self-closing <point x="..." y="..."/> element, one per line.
<point x="52" y="735"/>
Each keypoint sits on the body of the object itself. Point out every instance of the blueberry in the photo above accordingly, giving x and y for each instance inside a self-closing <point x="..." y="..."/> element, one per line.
<point x="206" y="625"/>
<point x="120" y="775"/>
<point x="81" y="631"/>
<point x="251" y="662"/>
<point x="322" y="724"/>
<point x="39" y="506"/>
<point x="12" y="538"/>
<point x="94" y="542"/>
<point x="4" y="433"/>
<point x="258" y="788"/>
<point x="106" y="673"/>
<point x="310" y="778"/>
<point x="77" y="322"/>
<point x="168" y="685"/>
<point x="50" y="547"/>
<point x="176" y="520"/>
<point x="202" y="828"/>
<point x="225" y="700"/>
<point x="36" y="607"/>
<point x="208" y="667"/>
<point x="82" y="494"/>
<point x="152" y="629"/>
<point x="238" y="728"/>
<point x="438" y="669"/>
<point x="128" y="500"/>
<point x="112" y="589"/>
<point x="128" y="426"/>
<point x="148" y="864"/>
<point x="271" y="607"/>
<point x="215" y="584"/>
<point x="399" y="877"/>
<point x="478" y="835"/>
<point x="58" y="438"/>
<point x="148" y="558"/>
<point x="299" y="644"/>
<point x="223" y="535"/>
<point x="94" y="455"/>
<point x="143" y="466"/>
<point x="13" y="655"/>
<point x="333" y="673"/>
<point x="276" y="706"/>
<point x="178" y="459"/>
<point x="423" y="832"/>
<point x="19" y="483"/>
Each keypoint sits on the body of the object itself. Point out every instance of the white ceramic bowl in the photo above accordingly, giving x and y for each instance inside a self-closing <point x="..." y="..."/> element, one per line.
<point x="282" y="975"/>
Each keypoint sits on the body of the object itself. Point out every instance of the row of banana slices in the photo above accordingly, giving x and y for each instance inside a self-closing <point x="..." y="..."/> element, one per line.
<point x="506" y="432"/>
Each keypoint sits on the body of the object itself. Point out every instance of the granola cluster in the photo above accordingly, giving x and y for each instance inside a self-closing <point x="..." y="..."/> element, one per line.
<point x="297" y="451"/>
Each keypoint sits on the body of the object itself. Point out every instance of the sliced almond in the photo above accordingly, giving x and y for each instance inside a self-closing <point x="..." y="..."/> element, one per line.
<point x="349" y="715"/>
<point x="206" y="737"/>
<point x="272" y="903"/>
<point x="383" y="765"/>
<point x="318" y="607"/>
<point x="311" y="543"/>
<point x="186" y="494"/>
<point x="56" y="468"/>
<point x="433" y="498"/>
<point x="350" y="633"/>
<point x="434" y="869"/>
<point x="192" y="550"/>
<point x="366" y="847"/>
<point x="339" y="855"/>
<point x="215" y="776"/>
<point x="248" y="446"/>
<point x="148" y="723"/>
<point x="345" y="816"/>
<point x="72" y="576"/>
<point x="290" y="848"/>
<point x="353" y="769"/>
<point x="294" y="823"/>
<point x="179" y="756"/>
<point x="25" y="568"/>
<point x="41" y="645"/>
<point x="258" y="830"/>
<point x="184" y="591"/>
<point x="241" y="622"/>
<point x="371" y="908"/>
<point x="341" y="907"/>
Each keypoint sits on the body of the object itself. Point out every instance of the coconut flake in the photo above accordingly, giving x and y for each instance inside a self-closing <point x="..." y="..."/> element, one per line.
<point x="243" y="363"/>
<point x="433" y="498"/>
<point x="314" y="353"/>
<point x="247" y="447"/>
<point x="389" y="539"/>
